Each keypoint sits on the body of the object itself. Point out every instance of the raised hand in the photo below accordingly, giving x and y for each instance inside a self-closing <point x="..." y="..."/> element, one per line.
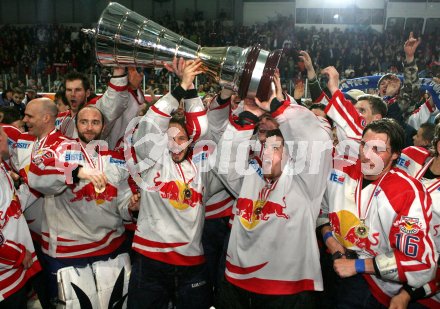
<point x="299" y="90"/>
<point x="333" y="78"/>
<point x="278" y="88"/>
<point x="177" y="67"/>
<point x="191" y="69"/>
<point x="410" y="47"/>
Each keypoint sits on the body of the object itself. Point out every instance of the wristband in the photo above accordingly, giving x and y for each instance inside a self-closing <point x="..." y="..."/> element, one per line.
<point x="359" y="265"/>
<point x="327" y="236"/>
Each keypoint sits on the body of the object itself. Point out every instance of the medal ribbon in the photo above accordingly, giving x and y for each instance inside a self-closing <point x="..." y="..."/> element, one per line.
<point x="263" y="195"/>
<point x="182" y="175"/>
<point x="358" y="197"/>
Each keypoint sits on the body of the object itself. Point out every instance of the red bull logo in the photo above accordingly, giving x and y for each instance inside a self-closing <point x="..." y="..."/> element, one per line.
<point x="344" y="224"/>
<point x="408" y="225"/>
<point x="89" y="194"/>
<point x="13" y="211"/>
<point x="251" y="212"/>
<point x="179" y="194"/>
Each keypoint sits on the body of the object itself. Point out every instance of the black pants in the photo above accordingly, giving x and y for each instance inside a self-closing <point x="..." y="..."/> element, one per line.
<point x="18" y="300"/>
<point x="233" y="297"/>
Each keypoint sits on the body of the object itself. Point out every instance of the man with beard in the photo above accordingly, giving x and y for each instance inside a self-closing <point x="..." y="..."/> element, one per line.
<point x="169" y="265"/>
<point x="86" y="198"/>
<point x="111" y="104"/>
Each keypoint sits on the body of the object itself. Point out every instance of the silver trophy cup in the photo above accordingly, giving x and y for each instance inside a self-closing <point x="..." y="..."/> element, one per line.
<point x="125" y="38"/>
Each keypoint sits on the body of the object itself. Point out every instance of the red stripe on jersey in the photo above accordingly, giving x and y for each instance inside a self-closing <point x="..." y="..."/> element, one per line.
<point x="173" y="258"/>
<point x="118" y="88"/>
<point x="239" y="127"/>
<point x="281" y="109"/>
<point x="243" y="270"/>
<point x="157" y="111"/>
<point x="218" y="205"/>
<point x="156" y="244"/>
<point x="418" y="154"/>
<point x="273" y="287"/>
<point x="345" y="114"/>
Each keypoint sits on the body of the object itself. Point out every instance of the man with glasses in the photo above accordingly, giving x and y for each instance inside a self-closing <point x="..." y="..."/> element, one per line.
<point x="379" y="216"/>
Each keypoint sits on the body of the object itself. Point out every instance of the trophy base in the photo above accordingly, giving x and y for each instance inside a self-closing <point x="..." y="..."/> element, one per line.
<point x="258" y="73"/>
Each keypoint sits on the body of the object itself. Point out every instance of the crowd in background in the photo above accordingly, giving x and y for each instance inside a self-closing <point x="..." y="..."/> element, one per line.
<point x="38" y="57"/>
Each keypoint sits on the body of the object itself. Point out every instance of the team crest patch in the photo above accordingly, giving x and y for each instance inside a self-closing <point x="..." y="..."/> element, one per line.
<point x="363" y="122"/>
<point x="409" y="225"/>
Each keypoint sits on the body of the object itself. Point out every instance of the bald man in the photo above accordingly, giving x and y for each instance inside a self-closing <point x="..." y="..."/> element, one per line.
<point x="34" y="146"/>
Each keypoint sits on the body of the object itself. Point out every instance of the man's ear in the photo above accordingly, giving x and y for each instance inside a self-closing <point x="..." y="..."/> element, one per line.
<point x="377" y="117"/>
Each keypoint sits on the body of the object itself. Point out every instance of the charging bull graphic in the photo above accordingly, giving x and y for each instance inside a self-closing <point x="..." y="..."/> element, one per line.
<point x="344" y="225"/>
<point x="251" y="212"/>
<point x="13" y="211"/>
<point x="89" y="194"/>
<point x="179" y="194"/>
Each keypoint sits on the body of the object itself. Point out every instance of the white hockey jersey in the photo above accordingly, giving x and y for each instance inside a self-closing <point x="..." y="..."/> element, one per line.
<point x="396" y="210"/>
<point x="415" y="161"/>
<point x="171" y="215"/>
<point x="273" y="220"/>
<point x="15" y="239"/>
<point x="78" y="221"/>
<point x="21" y="158"/>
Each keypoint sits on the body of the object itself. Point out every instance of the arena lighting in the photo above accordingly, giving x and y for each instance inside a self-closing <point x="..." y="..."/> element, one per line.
<point x="336" y="16"/>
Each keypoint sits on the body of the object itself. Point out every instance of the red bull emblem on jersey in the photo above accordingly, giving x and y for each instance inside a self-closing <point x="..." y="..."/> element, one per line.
<point x="179" y="194"/>
<point x="408" y="225"/>
<point x="344" y="224"/>
<point x="89" y="194"/>
<point x="13" y="211"/>
<point x="252" y="212"/>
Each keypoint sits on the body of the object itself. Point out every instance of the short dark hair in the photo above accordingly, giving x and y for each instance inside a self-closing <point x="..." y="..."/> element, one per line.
<point x="61" y="95"/>
<point x="274" y="132"/>
<point x="428" y="131"/>
<point x="317" y="106"/>
<point x="378" y="106"/>
<point x="75" y="76"/>
<point x="10" y="114"/>
<point x="392" y="129"/>
<point x="180" y="121"/>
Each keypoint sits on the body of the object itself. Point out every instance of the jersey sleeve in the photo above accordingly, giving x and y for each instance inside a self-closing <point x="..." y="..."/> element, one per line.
<point x="421" y="115"/>
<point x="11" y="254"/>
<point x="349" y="123"/>
<point x="309" y="147"/>
<point x="233" y="154"/>
<point x="114" y="102"/>
<point x="196" y="118"/>
<point x="413" y="258"/>
<point x="149" y="140"/>
<point x="218" y="118"/>
<point x="51" y="170"/>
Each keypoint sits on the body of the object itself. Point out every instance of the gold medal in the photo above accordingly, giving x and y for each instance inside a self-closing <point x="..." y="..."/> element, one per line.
<point x="361" y="230"/>
<point x="99" y="190"/>
<point x="187" y="193"/>
<point x="258" y="206"/>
